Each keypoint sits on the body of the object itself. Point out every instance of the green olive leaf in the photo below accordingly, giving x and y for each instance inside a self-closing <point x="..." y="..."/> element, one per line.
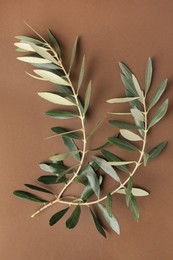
<point x="74" y="218"/>
<point x="159" y="114"/>
<point x="148" y="76"/>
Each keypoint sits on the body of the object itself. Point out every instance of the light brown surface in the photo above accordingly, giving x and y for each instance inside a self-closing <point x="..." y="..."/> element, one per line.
<point x="110" y="31"/>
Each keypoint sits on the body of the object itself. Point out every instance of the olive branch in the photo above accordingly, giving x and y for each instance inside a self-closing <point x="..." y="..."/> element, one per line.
<point x="132" y="135"/>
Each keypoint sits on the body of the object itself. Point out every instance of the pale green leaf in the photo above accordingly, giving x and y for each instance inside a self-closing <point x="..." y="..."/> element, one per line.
<point x="126" y="71"/>
<point x="33" y="60"/>
<point x="81" y="75"/>
<point x="113" y="163"/>
<point x="52" y="77"/>
<point x="159" y="114"/>
<point x="71" y="146"/>
<point x="88" y="191"/>
<point x="130" y="135"/>
<point x="61" y="157"/>
<point x="92" y="179"/>
<point x="137" y="114"/>
<point x="158" y="93"/>
<point x="148" y="76"/>
<point x="43" y="53"/>
<point x="73" y="55"/>
<point x="35" y="77"/>
<point x="56" y="99"/>
<point x="121" y="100"/>
<point x="113" y="223"/>
<point x="26" y="39"/>
<point x="138" y="192"/>
<point x="137" y="87"/>
<point x="87" y="98"/>
<point x="46" y="167"/>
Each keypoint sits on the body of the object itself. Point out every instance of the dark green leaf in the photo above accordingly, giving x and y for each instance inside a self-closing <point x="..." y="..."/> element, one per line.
<point x="109" y="204"/>
<point x="122" y="143"/>
<point x="60" y="114"/>
<point x="87" y="98"/>
<point x="73" y="55"/>
<point x="126" y="71"/>
<point x="97" y="224"/>
<point x="156" y="150"/>
<point x="66" y="132"/>
<point x="57" y="216"/>
<point x="129" y="191"/>
<point x="51" y="179"/>
<point x="71" y="146"/>
<point x="94" y="165"/>
<point x="54" y="43"/>
<point x="69" y="170"/>
<point x="64" y="89"/>
<point x="81" y="75"/>
<point x="158" y="93"/>
<point x="134" y="207"/>
<point x="148" y="76"/>
<point x="88" y="191"/>
<point x="123" y="125"/>
<point x="74" y="218"/>
<point x="159" y="114"/>
<point x="112" y="157"/>
<point x="58" y="167"/>
<point x="113" y="223"/>
<point x="106" y="168"/>
<point x="28" y="196"/>
<point x="33" y="187"/>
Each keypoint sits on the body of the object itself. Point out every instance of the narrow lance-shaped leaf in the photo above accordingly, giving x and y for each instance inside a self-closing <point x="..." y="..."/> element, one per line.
<point x="123" y="124"/>
<point x="122" y="100"/>
<point x="24" y="46"/>
<point x="28" y="196"/>
<point x="122" y="144"/>
<point x="129" y="86"/>
<point x="74" y="218"/>
<point x="153" y="153"/>
<point x="93" y="180"/>
<point x="34" y="187"/>
<point x="148" y="76"/>
<point x="61" y="157"/>
<point x="52" y="77"/>
<point x="159" y="114"/>
<point x="42" y="52"/>
<point x="129" y="191"/>
<point x="54" y="43"/>
<point x="113" y="223"/>
<point x="56" y="99"/>
<point x="67" y="133"/>
<point x="60" y="114"/>
<point x="95" y="128"/>
<point x="134" y="207"/>
<point x="81" y="75"/>
<point x="158" y="93"/>
<point x="114" y="163"/>
<point x="138" y="192"/>
<point x="33" y="60"/>
<point x="106" y="168"/>
<point x="130" y="135"/>
<point x="29" y="39"/>
<point x="71" y="146"/>
<point x="137" y="87"/>
<point x="112" y="157"/>
<point x="109" y="204"/>
<point x="97" y="224"/>
<point x="57" y="216"/>
<point x="52" y="179"/>
<point x="88" y="191"/>
<point x="126" y="71"/>
<point x="87" y="98"/>
<point x="73" y="55"/>
<point x="46" y="167"/>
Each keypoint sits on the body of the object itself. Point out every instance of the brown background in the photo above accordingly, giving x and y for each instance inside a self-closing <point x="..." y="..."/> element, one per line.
<point x="110" y="31"/>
